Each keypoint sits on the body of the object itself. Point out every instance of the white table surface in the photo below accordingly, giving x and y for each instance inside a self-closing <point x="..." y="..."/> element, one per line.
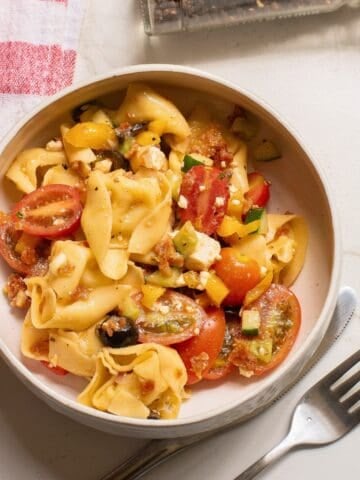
<point x="309" y="70"/>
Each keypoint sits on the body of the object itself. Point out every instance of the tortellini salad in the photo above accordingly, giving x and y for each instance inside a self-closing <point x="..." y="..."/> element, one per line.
<point x="144" y="254"/>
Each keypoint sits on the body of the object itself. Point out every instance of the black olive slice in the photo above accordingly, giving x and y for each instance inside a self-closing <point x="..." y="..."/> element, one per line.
<point x="116" y="331"/>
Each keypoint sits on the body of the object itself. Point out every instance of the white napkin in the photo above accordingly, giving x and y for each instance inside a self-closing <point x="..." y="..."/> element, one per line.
<point x="38" y="49"/>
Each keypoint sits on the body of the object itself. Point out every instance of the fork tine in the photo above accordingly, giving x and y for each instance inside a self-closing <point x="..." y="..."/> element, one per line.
<point x="355" y="416"/>
<point x="352" y="400"/>
<point x="346" y="385"/>
<point x="341" y="369"/>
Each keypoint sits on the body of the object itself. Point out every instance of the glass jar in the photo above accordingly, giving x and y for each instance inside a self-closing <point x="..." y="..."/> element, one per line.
<point x="166" y="16"/>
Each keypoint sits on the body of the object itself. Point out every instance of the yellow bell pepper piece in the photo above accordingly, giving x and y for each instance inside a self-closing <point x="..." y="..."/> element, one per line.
<point x="216" y="289"/>
<point x="259" y="289"/>
<point x="147" y="138"/>
<point x="90" y="135"/>
<point x="231" y="225"/>
<point x="235" y="205"/>
<point x="151" y="294"/>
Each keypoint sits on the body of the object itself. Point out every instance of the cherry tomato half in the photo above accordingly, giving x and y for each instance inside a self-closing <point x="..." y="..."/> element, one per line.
<point x="173" y="318"/>
<point x="32" y="262"/>
<point x="240" y="274"/>
<point x="206" y="191"/>
<point x="51" y="211"/>
<point x="56" y="370"/>
<point x="259" y="190"/>
<point x="280" y="316"/>
<point x="222" y="366"/>
<point x="200" y="352"/>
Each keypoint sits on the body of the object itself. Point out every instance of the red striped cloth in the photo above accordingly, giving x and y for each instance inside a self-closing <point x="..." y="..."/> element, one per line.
<point x="38" y="44"/>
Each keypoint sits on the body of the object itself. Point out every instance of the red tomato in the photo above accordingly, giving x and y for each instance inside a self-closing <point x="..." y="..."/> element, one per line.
<point x="206" y="191"/>
<point x="259" y="190"/>
<point x="51" y="211"/>
<point x="280" y="315"/>
<point x="200" y="352"/>
<point x="33" y="263"/>
<point x="222" y="365"/>
<point x="239" y="274"/>
<point x="173" y="318"/>
<point x="56" y="370"/>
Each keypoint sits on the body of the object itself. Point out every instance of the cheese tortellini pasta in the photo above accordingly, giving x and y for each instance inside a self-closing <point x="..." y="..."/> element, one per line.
<point x="136" y="380"/>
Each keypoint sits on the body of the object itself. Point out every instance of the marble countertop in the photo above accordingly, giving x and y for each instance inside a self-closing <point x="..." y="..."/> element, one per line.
<point x="308" y="69"/>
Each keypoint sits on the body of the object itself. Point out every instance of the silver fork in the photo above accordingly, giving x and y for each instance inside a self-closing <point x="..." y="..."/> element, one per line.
<point x="326" y="412"/>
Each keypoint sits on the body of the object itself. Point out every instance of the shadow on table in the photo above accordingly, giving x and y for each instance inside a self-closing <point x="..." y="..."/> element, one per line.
<point x="41" y="443"/>
<point x="343" y="28"/>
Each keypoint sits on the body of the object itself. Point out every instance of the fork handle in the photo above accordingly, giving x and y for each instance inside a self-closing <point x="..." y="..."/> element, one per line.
<point x="272" y="456"/>
<point x="154" y="453"/>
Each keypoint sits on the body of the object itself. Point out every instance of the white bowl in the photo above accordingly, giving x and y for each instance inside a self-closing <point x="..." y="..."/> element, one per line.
<point x="298" y="186"/>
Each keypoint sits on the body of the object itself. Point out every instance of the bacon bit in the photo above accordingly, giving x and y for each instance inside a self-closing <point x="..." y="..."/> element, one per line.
<point x="206" y="141"/>
<point x="41" y="348"/>
<point x="168" y="256"/>
<point x="210" y="142"/>
<point x="240" y="356"/>
<point x="222" y="156"/>
<point x="15" y="289"/>
<point x="29" y="256"/>
<point x="113" y="325"/>
<point x="66" y="269"/>
<point x="200" y="363"/>
<point x="146" y="386"/>
<point x="284" y="230"/>
<point x="80" y="293"/>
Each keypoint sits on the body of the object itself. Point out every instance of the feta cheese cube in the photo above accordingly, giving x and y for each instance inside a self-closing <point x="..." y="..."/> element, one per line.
<point x="206" y="252"/>
<point x="182" y="202"/>
<point x="219" y="201"/>
<point x="204" y="277"/>
<point x="164" y="309"/>
<point x="148" y="157"/>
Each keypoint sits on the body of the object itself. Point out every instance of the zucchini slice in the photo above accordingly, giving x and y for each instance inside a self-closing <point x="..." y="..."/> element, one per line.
<point x="190" y="162"/>
<point x="266" y="151"/>
<point x="258" y="214"/>
<point x="250" y="322"/>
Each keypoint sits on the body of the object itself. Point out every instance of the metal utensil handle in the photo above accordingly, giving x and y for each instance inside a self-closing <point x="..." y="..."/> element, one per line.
<point x="151" y="455"/>
<point x="269" y="458"/>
